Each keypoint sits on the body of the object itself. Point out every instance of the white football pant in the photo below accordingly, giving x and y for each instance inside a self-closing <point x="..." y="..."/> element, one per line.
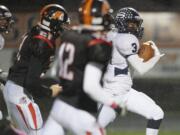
<point x="136" y="102"/>
<point x="75" y="120"/>
<point x="24" y="113"/>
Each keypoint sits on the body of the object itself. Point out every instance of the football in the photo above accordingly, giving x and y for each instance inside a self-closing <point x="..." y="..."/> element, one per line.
<point x="146" y="51"/>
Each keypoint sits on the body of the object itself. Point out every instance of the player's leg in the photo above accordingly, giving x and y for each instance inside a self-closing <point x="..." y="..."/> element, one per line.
<point x="141" y="104"/>
<point x="77" y="121"/>
<point x="52" y="127"/>
<point x="106" y="116"/>
<point x="24" y="113"/>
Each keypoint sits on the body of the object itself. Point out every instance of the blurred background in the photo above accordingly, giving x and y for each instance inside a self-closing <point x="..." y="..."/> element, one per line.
<point x="162" y="25"/>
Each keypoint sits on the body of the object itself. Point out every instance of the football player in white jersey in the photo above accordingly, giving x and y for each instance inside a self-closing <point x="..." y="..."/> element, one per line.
<point x="118" y="80"/>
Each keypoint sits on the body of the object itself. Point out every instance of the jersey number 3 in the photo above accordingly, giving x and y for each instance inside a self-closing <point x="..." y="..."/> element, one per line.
<point x="134" y="45"/>
<point x="66" y="59"/>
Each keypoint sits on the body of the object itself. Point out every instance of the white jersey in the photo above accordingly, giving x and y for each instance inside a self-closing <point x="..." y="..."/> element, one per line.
<point x="124" y="45"/>
<point x="2" y="42"/>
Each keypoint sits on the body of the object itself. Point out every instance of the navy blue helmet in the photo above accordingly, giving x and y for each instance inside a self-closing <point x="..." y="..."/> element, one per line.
<point x="6" y="19"/>
<point x="128" y="20"/>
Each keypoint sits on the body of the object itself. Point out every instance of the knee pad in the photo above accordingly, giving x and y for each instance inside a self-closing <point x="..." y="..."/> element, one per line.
<point x="157" y="113"/>
<point x="156" y="117"/>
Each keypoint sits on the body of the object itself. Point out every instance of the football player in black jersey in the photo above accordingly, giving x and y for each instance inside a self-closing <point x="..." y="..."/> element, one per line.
<point x="82" y="57"/>
<point x="35" y="54"/>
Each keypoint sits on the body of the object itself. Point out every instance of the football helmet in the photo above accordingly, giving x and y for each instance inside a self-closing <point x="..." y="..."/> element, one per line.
<point x="128" y="20"/>
<point x="96" y="13"/>
<point x="6" y="19"/>
<point x="55" y="18"/>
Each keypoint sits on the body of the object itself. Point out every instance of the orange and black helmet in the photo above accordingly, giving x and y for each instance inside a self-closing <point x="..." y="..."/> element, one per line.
<point x="92" y="12"/>
<point x="54" y="17"/>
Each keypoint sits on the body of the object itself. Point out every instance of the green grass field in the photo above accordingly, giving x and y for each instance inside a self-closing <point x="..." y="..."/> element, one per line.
<point x="141" y="133"/>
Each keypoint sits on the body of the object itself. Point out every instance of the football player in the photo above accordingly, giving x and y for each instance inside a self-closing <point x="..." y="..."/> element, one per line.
<point x="5" y="26"/>
<point x="82" y="56"/>
<point x="118" y="80"/>
<point x="24" y="80"/>
<point x="6" y="22"/>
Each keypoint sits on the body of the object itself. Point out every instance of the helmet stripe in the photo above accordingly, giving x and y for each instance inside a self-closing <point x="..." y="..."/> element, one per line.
<point x="87" y="12"/>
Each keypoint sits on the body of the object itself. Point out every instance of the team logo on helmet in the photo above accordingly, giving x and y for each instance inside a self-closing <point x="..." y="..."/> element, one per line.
<point x="55" y="18"/>
<point x="58" y="15"/>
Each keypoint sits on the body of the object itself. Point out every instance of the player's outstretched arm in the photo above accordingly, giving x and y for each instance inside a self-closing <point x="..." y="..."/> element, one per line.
<point x="91" y="83"/>
<point x="143" y="67"/>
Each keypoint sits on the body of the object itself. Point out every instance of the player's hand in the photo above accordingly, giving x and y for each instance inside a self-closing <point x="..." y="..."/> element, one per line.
<point x="56" y="89"/>
<point x="156" y="50"/>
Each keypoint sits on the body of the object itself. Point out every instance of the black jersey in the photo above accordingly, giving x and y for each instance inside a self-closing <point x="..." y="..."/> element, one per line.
<point x="75" y="52"/>
<point x="33" y="59"/>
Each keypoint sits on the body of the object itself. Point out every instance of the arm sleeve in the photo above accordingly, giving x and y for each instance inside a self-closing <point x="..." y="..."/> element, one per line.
<point x="140" y="66"/>
<point x="38" y="63"/>
<point x="33" y="81"/>
<point x="91" y="84"/>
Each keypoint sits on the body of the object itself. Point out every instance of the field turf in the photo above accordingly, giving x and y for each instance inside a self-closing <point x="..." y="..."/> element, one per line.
<point x="141" y="133"/>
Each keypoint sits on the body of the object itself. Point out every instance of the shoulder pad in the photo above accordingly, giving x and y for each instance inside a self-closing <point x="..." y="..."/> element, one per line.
<point x="50" y="43"/>
<point x="98" y="42"/>
<point x="126" y="44"/>
<point x="99" y="51"/>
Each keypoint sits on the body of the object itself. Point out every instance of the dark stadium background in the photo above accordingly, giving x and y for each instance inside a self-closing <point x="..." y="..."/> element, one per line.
<point x="165" y="91"/>
<point x="142" y="5"/>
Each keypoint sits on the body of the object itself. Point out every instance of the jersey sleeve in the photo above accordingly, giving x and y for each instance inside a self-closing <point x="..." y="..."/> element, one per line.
<point x="39" y="63"/>
<point x="99" y="51"/>
<point x="43" y="50"/>
<point x="126" y="44"/>
<point x="33" y="81"/>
